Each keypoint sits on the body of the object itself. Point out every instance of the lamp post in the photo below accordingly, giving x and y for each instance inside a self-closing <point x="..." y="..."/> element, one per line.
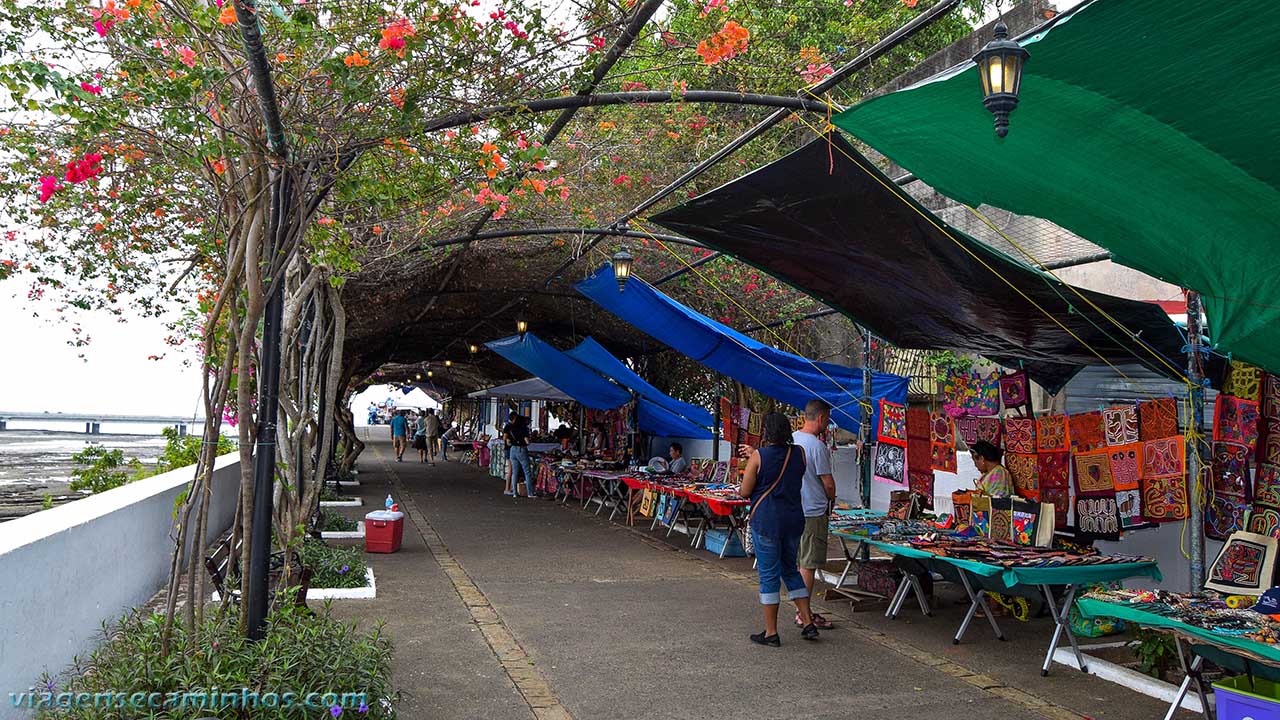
<point x="1000" y="64"/>
<point x="622" y="261"/>
<point x="522" y="326"/>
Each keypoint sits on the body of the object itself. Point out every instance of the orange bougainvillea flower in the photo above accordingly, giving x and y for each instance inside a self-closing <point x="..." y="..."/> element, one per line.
<point x="377" y="229"/>
<point x="228" y="14"/>
<point x="356" y="59"/>
<point x="394" y="34"/>
<point x="910" y="3"/>
<point x="726" y="43"/>
<point x="396" y="95"/>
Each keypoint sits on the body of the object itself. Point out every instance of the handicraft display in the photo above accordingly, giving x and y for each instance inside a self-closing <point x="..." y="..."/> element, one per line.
<point x="1053" y="469"/>
<point x="1015" y="391"/>
<point x="1264" y="521"/>
<point x="967" y="429"/>
<point x="1093" y="474"/>
<point x="1236" y="420"/>
<point x="1001" y="527"/>
<point x="970" y="393"/>
<point x="918" y="423"/>
<point x="1129" y="506"/>
<point x="1266" y="485"/>
<point x="1224" y="515"/>
<point x="1126" y="465"/>
<point x="1231" y="470"/>
<point x="1051" y="433"/>
<point x="1164" y="499"/>
<point x="891" y="463"/>
<point x="1269" y="444"/>
<point x="943" y="438"/>
<point x="1271" y="396"/>
<point x="1245" y="566"/>
<point x="1097" y="516"/>
<point x="1024" y="472"/>
<point x="1157" y="418"/>
<point x="1020" y="435"/>
<point x="1164" y="457"/>
<point x="893" y="424"/>
<point x="1120" y="425"/>
<point x="991" y="430"/>
<point x="1060" y="498"/>
<point x="1085" y="432"/>
<point x="1243" y="381"/>
<point x="921" y="483"/>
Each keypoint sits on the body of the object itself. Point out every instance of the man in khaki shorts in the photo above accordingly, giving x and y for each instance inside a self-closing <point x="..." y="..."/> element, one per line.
<point x="817" y="493"/>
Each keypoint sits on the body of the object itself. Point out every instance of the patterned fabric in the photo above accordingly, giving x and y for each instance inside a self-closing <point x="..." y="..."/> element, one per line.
<point x="1053" y="470"/>
<point x="1230" y="470"/>
<point x="1001" y="523"/>
<point x="942" y="429"/>
<point x="1269" y="444"/>
<point x="1224" y="515"/>
<point x="1120" y="425"/>
<point x="1129" y="506"/>
<point x="943" y="457"/>
<point x="1015" y="390"/>
<point x="919" y="455"/>
<point x="729" y="418"/>
<point x="1266" y="486"/>
<point x="991" y="430"/>
<point x="921" y="483"/>
<point x="1157" y="418"/>
<point x="1097" y="515"/>
<point x="967" y="429"/>
<point x="1061" y="499"/>
<point x="917" y="423"/>
<point x="970" y="393"/>
<point x="1236" y="420"/>
<point x="893" y="423"/>
<point x="1271" y="396"/>
<point x="891" y="463"/>
<point x="1243" y="381"/>
<point x="1024" y="472"/>
<point x="1126" y="465"/>
<point x="1020" y="435"/>
<point x="1086" y="432"/>
<point x="1164" y="499"/>
<point x="1265" y="521"/>
<point x="1051" y="433"/>
<point x="1093" y="474"/>
<point x="1166" y="457"/>
<point x="755" y="424"/>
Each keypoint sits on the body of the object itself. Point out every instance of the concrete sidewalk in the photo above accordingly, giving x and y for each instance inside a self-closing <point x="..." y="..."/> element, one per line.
<point x="526" y="608"/>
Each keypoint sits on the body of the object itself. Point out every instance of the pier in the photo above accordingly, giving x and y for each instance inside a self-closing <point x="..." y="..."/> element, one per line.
<point x="93" y="422"/>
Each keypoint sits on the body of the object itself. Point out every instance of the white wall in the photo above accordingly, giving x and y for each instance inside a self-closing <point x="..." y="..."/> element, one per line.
<point x="68" y="569"/>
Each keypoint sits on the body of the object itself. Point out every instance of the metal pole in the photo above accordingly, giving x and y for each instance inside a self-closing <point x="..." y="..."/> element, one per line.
<point x="715" y="430"/>
<point x="865" y="456"/>
<point x="1196" y="446"/>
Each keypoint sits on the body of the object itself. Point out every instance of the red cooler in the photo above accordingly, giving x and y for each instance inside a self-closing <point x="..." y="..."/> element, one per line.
<point x="383" y="531"/>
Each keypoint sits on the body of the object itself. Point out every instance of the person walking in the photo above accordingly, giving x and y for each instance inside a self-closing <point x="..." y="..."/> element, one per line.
<point x="433" y="433"/>
<point x="420" y="437"/>
<point x="818" y="493"/>
<point x="516" y="433"/>
<point x="773" y="479"/>
<point x="399" y="435"/>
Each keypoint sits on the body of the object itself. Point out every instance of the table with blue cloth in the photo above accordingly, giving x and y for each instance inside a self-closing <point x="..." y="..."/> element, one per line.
<point x="1056" y="583"/>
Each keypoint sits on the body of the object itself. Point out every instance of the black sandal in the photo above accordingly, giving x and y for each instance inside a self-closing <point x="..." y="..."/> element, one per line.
<point x="771" y="640"/>
<point x="810" y="632"/>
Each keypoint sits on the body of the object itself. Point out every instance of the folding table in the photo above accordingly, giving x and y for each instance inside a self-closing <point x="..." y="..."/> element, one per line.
<point x="974" y="575"/>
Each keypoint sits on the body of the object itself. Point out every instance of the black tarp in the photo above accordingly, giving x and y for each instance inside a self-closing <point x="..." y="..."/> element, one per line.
<point x="842" y="231"/>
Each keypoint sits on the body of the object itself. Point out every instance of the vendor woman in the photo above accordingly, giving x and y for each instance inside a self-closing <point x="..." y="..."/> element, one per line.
<point x="995" y="478"/>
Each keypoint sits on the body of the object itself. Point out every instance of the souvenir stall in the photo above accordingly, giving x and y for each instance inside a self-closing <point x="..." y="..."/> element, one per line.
<point x="496" y="400"/>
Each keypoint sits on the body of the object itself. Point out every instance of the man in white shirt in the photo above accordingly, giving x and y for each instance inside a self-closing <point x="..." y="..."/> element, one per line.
<point x="817" y="492"/>
<point x="678" y="463"/>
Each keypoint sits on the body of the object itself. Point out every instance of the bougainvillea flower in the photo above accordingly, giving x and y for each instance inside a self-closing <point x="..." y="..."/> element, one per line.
<point x="103" y="26"/>
<point x="87" y="167"/>
<point x="48" y="186"/>
<point x="394" y="34"/>
<point x="597" y="43"/>
<point x="356" y="59"/>
<point x="910" y="3"/>
<point x="91" y="89"/>
<point x="726" y="43"/>
<point x="187" y="55"/>
<point x="228" y="14"/>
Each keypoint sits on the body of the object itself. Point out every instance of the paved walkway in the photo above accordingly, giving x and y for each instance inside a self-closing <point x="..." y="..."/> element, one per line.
<point x="517" y="609"/>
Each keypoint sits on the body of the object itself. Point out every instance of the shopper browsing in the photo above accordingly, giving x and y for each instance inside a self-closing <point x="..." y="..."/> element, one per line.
<point x="399" y="435"/>
<point x="516" y="433"/>
<point x="818" y="493"/>
<point x="773" y="479"/>
<point x="433" y="434"/>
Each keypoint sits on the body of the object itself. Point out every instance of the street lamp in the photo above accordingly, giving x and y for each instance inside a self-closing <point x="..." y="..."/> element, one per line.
<point x="419" y="376"/>
<point x="448" y="363"/>
<point x="1000" y="64"/>
<point x="622" y="261"/>
<point x="430" y="373"/>
<point x="473" y="348"/>
<point x="522" y="326"/>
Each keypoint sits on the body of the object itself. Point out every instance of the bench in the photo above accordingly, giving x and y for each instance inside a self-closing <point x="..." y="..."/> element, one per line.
<point x="224" y="562"/>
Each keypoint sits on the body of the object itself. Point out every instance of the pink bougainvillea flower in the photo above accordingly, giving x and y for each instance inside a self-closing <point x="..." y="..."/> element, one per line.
<point x="597" y="43"/>
<point x="103" y="26"/>
<point x="188" y="56"/>
<point x="48" y="186"/>
<point x="89" y="166"/>
<point x="622" y="180"/>
<point x="91" y="89"/>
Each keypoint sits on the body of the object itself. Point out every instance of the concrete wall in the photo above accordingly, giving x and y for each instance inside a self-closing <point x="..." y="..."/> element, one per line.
<point x="68" y="569"/>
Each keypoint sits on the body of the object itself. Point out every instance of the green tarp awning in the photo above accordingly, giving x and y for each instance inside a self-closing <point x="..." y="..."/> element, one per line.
<point x="1147" y="127"/>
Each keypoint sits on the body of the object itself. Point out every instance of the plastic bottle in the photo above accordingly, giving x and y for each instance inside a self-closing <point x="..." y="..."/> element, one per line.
<point x="390" y="502"/>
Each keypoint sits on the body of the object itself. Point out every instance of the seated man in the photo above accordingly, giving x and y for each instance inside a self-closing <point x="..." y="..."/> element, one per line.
<point x="679" y="464"/>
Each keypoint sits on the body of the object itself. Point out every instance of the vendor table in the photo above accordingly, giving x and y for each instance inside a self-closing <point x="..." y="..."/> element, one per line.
<point x="1190" y="641"/>
<point x="974" y="574"/>
<point x="728" y="510"/>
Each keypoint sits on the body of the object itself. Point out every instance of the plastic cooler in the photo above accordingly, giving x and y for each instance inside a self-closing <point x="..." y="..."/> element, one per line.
<point x="383" y="531"/>
<point x="716" y="539"/>
<point x="1245" y="698"/>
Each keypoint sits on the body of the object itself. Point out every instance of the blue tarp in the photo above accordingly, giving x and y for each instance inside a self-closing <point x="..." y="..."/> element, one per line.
<point x="781" y="375"/>
<point x="566" y="375"/>
<point x="593" y="355"/>
<point x="584" y="384"/>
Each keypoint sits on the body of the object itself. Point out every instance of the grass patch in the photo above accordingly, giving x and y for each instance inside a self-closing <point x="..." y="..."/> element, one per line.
<point x="334" y="566"/>
<point x="334" y="521"/>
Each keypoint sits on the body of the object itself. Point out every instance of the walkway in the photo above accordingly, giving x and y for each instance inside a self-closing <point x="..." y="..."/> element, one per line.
<point x="517" y="609"/>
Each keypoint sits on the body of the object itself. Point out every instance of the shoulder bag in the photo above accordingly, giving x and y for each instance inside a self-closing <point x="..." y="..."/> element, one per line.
<point x="747" y="543"/>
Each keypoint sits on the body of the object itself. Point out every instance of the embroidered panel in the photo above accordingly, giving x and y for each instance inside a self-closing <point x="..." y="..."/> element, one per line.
<point x="1121" y="424"/>
<point x="1020" y="435"/>
<point x="1051" y="433"/>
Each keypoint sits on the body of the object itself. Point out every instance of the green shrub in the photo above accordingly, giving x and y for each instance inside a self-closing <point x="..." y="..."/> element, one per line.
<point x="102" y="469"/>
<point x="184" y="450"/>
<point x="1156" y="652"/>
<point x="333" y="566"/>
<point x="334" y="521"/>
<point x="303" y="653"/>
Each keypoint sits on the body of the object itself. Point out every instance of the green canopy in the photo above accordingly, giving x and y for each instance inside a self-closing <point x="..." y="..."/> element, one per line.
<point x="1148" y="127"/>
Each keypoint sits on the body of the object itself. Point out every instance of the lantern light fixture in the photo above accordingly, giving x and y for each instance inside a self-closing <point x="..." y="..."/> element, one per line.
<point x="522" y="326"/>
<point x="473" y="348"/>
<point x="430" y="373"/>
<point x="448" y="363"/>
<point x="622" y="261"/>
<point x="419" y="376"/>
<point x="1000" y="63"/>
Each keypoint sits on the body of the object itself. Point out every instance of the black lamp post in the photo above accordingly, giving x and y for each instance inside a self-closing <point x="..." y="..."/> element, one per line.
<point x="622" y="261"/>
<point x="1000" y="65"/>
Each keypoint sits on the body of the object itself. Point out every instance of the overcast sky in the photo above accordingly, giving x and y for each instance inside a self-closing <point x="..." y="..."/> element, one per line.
<point x="40" y="371"/>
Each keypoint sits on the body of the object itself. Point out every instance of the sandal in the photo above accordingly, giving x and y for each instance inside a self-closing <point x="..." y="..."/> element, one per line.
<point x="818" y="621"/>
<point x="810" y="632"/>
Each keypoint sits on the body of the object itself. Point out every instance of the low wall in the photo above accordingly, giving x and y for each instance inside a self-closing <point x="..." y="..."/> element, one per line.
<point x="68" y="569"/>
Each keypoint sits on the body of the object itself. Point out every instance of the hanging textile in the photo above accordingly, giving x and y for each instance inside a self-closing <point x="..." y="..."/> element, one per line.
<point x="1271" y="396"/>
<point x="893" y="423"/>
<point x="891" y="463"/>
<point x="1243" y="381"/>
<point x="1093" y="474"/>
<point x="943" y="442"/>
<point x="1120" y="425"/>
<point x="1051" y="433"/>
<point x="1157" y="418"/>
<point x="1024" y="472"/>
<point x="1236" y="420"/>
<point x="1053" y="470"/>
<point x="1264" y="516"/>
<point x="1086" y="432"/>
<point x="1020" y="435"/>
<point x="969" y="392"/>
<point x="1015" y="391"/>
<point x="967" y="429"/>
<point x="1164" y="480"/>
<point x="1231" y="488"/>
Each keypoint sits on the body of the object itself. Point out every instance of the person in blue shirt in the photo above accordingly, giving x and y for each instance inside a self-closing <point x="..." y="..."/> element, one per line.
<point x="399" y="435"/>
<point x="773" y="479"/>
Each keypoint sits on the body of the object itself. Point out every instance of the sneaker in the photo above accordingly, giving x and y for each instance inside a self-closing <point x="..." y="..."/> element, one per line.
<point x="810" y="632"/>
<point x="771" y="640"/>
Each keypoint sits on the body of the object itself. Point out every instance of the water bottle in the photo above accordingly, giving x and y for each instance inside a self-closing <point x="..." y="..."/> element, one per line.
<point x="390" y="502"/>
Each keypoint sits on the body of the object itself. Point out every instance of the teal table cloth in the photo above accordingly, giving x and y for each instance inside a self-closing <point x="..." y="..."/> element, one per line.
<point x="1101" y="608"/>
